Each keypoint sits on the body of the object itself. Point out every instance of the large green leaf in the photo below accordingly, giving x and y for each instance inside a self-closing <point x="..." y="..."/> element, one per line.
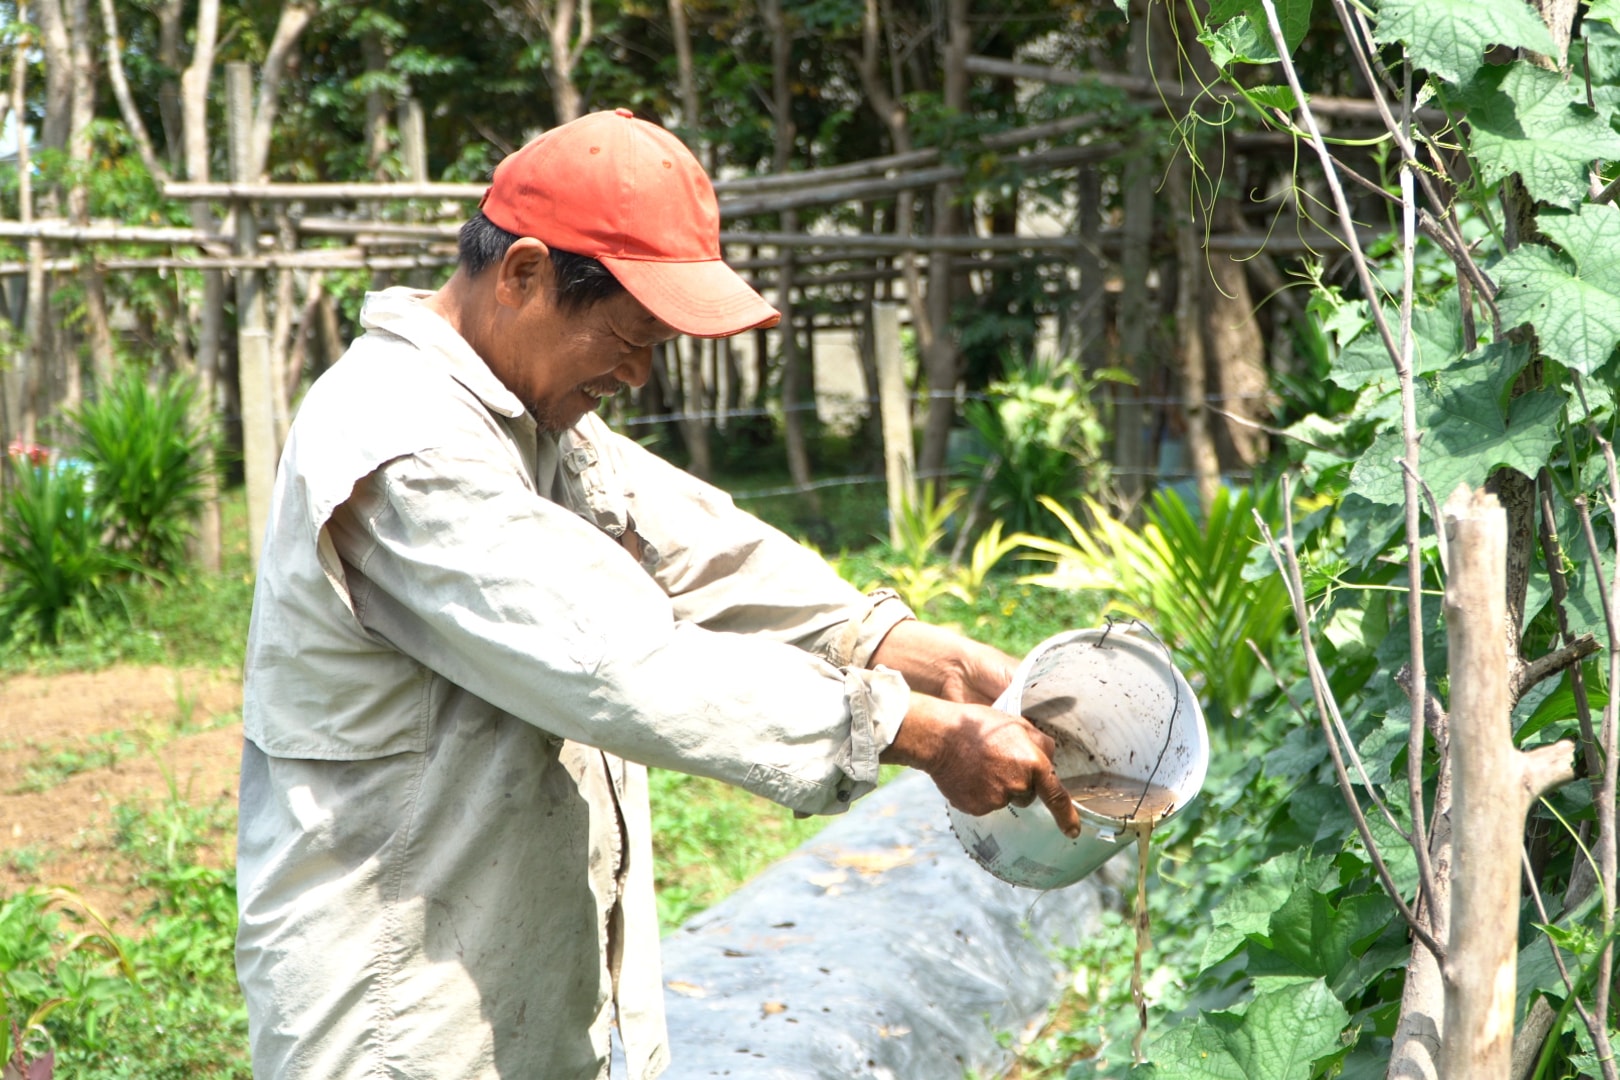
<point x="1573" y="302"/>
<point x="1310" y="935"/>
<point x="1281" y="1033"/>
<point x="1246" y="35"/>
<point x="1523" y="119"/>
<point x="1450" y="37"/>
<point x="1467" y="435"/>
<point x="1437" y="340"/>
<point x="1248" y="908"/>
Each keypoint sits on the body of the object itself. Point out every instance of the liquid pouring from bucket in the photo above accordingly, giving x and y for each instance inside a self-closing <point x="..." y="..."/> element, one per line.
<point x="1126" y="724"/>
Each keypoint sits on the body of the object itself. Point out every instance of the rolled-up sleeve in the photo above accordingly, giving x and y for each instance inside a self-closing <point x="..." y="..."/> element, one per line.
<point x="518" y="600"/>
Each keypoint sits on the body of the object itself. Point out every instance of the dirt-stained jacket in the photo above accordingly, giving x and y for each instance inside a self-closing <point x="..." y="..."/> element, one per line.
<point x="469" y="638"/>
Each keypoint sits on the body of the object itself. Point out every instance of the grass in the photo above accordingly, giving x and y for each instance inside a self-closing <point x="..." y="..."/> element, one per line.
<point x="709" y="838"/>
<point x="197" y="619"/>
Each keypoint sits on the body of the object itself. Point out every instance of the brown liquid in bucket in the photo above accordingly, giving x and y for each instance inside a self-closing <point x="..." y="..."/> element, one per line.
<point x="1140" y="807"/>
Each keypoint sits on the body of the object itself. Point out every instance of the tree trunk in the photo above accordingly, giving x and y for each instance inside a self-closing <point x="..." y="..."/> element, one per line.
<point x="687" y="82"/>
<point x="557" y="21"/>
<point x="376" y="61"/>
<point x="1494" y="786"/>
<point x="57" y="46"/>
<point x="1237" y="352"/>
<point x="1086" y="322"/>
<point x="295" y="17"/>
<point x="885" y="100"/>
<point x="254" y="370"/>
<point x="1130" y="427"/>
<point x="688" y="359"/>
<point x="941" y="358"/>
<point x="22" y="418"/>
<point x="126" y="101"/>
<point x="793" y="412"/>
<point x="194" y="85"/>
<point x="170" y="110"/>
<point x="98" y="329"/>
<point x="1192" y="361"/>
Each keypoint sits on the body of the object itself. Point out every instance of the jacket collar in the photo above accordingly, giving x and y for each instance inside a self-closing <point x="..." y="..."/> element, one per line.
<point x="399" y="311"/>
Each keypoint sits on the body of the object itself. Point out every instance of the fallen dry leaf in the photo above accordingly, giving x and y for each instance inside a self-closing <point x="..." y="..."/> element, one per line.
<point x="828" y="880"/>
<point x="771" y="1008"/>
<point x="874" y="862"/>
<point x="686" y="989"/>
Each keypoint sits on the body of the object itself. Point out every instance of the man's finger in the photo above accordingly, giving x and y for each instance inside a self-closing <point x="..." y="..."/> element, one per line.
<point x="1043" y="742"/>
<point x="1058" y="801"/>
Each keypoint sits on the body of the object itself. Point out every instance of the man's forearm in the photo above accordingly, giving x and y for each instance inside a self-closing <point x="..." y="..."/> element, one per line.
<point x="945" y="664"/>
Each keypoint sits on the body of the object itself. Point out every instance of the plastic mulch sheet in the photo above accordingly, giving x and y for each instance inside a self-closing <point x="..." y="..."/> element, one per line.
<point x="877" y="949"/>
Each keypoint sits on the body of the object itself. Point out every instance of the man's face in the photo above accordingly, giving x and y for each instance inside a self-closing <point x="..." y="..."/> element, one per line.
<point x="561" y="364"/>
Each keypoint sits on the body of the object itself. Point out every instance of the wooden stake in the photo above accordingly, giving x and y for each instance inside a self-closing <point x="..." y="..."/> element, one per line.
<point x="898" y="466"/>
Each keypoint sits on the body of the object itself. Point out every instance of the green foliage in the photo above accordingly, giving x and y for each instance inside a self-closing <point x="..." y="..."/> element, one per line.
<point x="1572" y="292"/>
<point x="710" y="838"/>
<point x="1449" y="38"/>
<point x="149" y="465"/>
<point x="1041" y="436"/>
<point x="1184" y="577"/>
<point x="192" y="618"/>
<point x="1297" y="969"/>
<point x="54" y="567"/>
<point x="53" y="982"/>
<point x="1533" y="122"/>
<point x="915" y="571"/>
<point x="1238" y="31"/>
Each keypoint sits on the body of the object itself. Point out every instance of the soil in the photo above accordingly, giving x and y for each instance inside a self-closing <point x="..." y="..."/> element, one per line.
<point x="75" y="746"/>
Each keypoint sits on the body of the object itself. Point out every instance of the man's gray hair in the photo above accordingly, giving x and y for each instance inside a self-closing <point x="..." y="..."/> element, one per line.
<point x="581" y="280"/>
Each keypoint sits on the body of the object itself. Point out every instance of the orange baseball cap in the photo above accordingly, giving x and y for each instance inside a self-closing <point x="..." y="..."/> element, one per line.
<point x="630" y="195"/>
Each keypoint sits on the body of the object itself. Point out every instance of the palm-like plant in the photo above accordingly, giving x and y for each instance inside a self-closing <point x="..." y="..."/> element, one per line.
<point x="149" y="466"/>
<point x="1182" y="576"/>
<point x="53" y="562"/>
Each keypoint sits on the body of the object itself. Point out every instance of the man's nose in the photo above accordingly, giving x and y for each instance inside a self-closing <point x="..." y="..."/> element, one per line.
<point x="636" y="368"/>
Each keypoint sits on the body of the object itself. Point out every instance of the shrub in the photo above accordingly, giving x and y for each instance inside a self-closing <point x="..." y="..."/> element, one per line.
<point x="53" y="562"/>
<point x="1042" y="436"/>
<point x="149" y="466"/>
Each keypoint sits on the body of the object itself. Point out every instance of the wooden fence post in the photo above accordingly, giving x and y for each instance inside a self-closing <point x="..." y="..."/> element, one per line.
<point x="252" y="331"/>
<point x="899" y="468"/>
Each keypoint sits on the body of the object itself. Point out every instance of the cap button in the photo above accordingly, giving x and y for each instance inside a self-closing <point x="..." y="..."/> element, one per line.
<point x="625" y="113"/>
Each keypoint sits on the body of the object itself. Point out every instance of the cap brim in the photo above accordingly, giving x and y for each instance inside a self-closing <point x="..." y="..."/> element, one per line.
<point x="704" y="299"/>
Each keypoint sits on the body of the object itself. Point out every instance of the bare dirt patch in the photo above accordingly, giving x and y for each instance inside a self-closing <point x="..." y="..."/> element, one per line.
<point x="137" y="728"/>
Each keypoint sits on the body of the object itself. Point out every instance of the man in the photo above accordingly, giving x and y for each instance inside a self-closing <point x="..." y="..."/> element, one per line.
<point x="477" y="607"/>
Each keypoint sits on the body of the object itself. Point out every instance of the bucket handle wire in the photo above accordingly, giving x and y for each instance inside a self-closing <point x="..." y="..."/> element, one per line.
<point x="1175" y="710"/>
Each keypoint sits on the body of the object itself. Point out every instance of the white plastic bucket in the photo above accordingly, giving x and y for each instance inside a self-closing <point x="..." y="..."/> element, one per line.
<point x="1113" y="702"/>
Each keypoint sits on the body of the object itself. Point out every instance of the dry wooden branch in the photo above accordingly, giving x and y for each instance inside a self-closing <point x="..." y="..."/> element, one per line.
<point x="1527" y="675"/>
<point x="1494" y="786"/>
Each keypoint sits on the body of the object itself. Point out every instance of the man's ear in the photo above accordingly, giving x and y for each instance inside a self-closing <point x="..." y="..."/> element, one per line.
<point x="524" y="270"/>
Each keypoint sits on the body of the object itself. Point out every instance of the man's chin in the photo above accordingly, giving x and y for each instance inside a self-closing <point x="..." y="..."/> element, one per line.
<point x="558" y="419"/>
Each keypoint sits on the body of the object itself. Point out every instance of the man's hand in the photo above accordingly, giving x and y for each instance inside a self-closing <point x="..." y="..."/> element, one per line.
<point x="982" y="759"/>
<point x="946" y="665"/>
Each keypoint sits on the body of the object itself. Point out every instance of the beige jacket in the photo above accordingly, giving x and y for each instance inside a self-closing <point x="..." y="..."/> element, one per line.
<point x="444" y="864"/>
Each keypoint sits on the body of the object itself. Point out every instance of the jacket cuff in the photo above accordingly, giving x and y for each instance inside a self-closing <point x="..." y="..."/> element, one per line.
<point x="858" y="640"/>
<point x="878" y="700"/>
